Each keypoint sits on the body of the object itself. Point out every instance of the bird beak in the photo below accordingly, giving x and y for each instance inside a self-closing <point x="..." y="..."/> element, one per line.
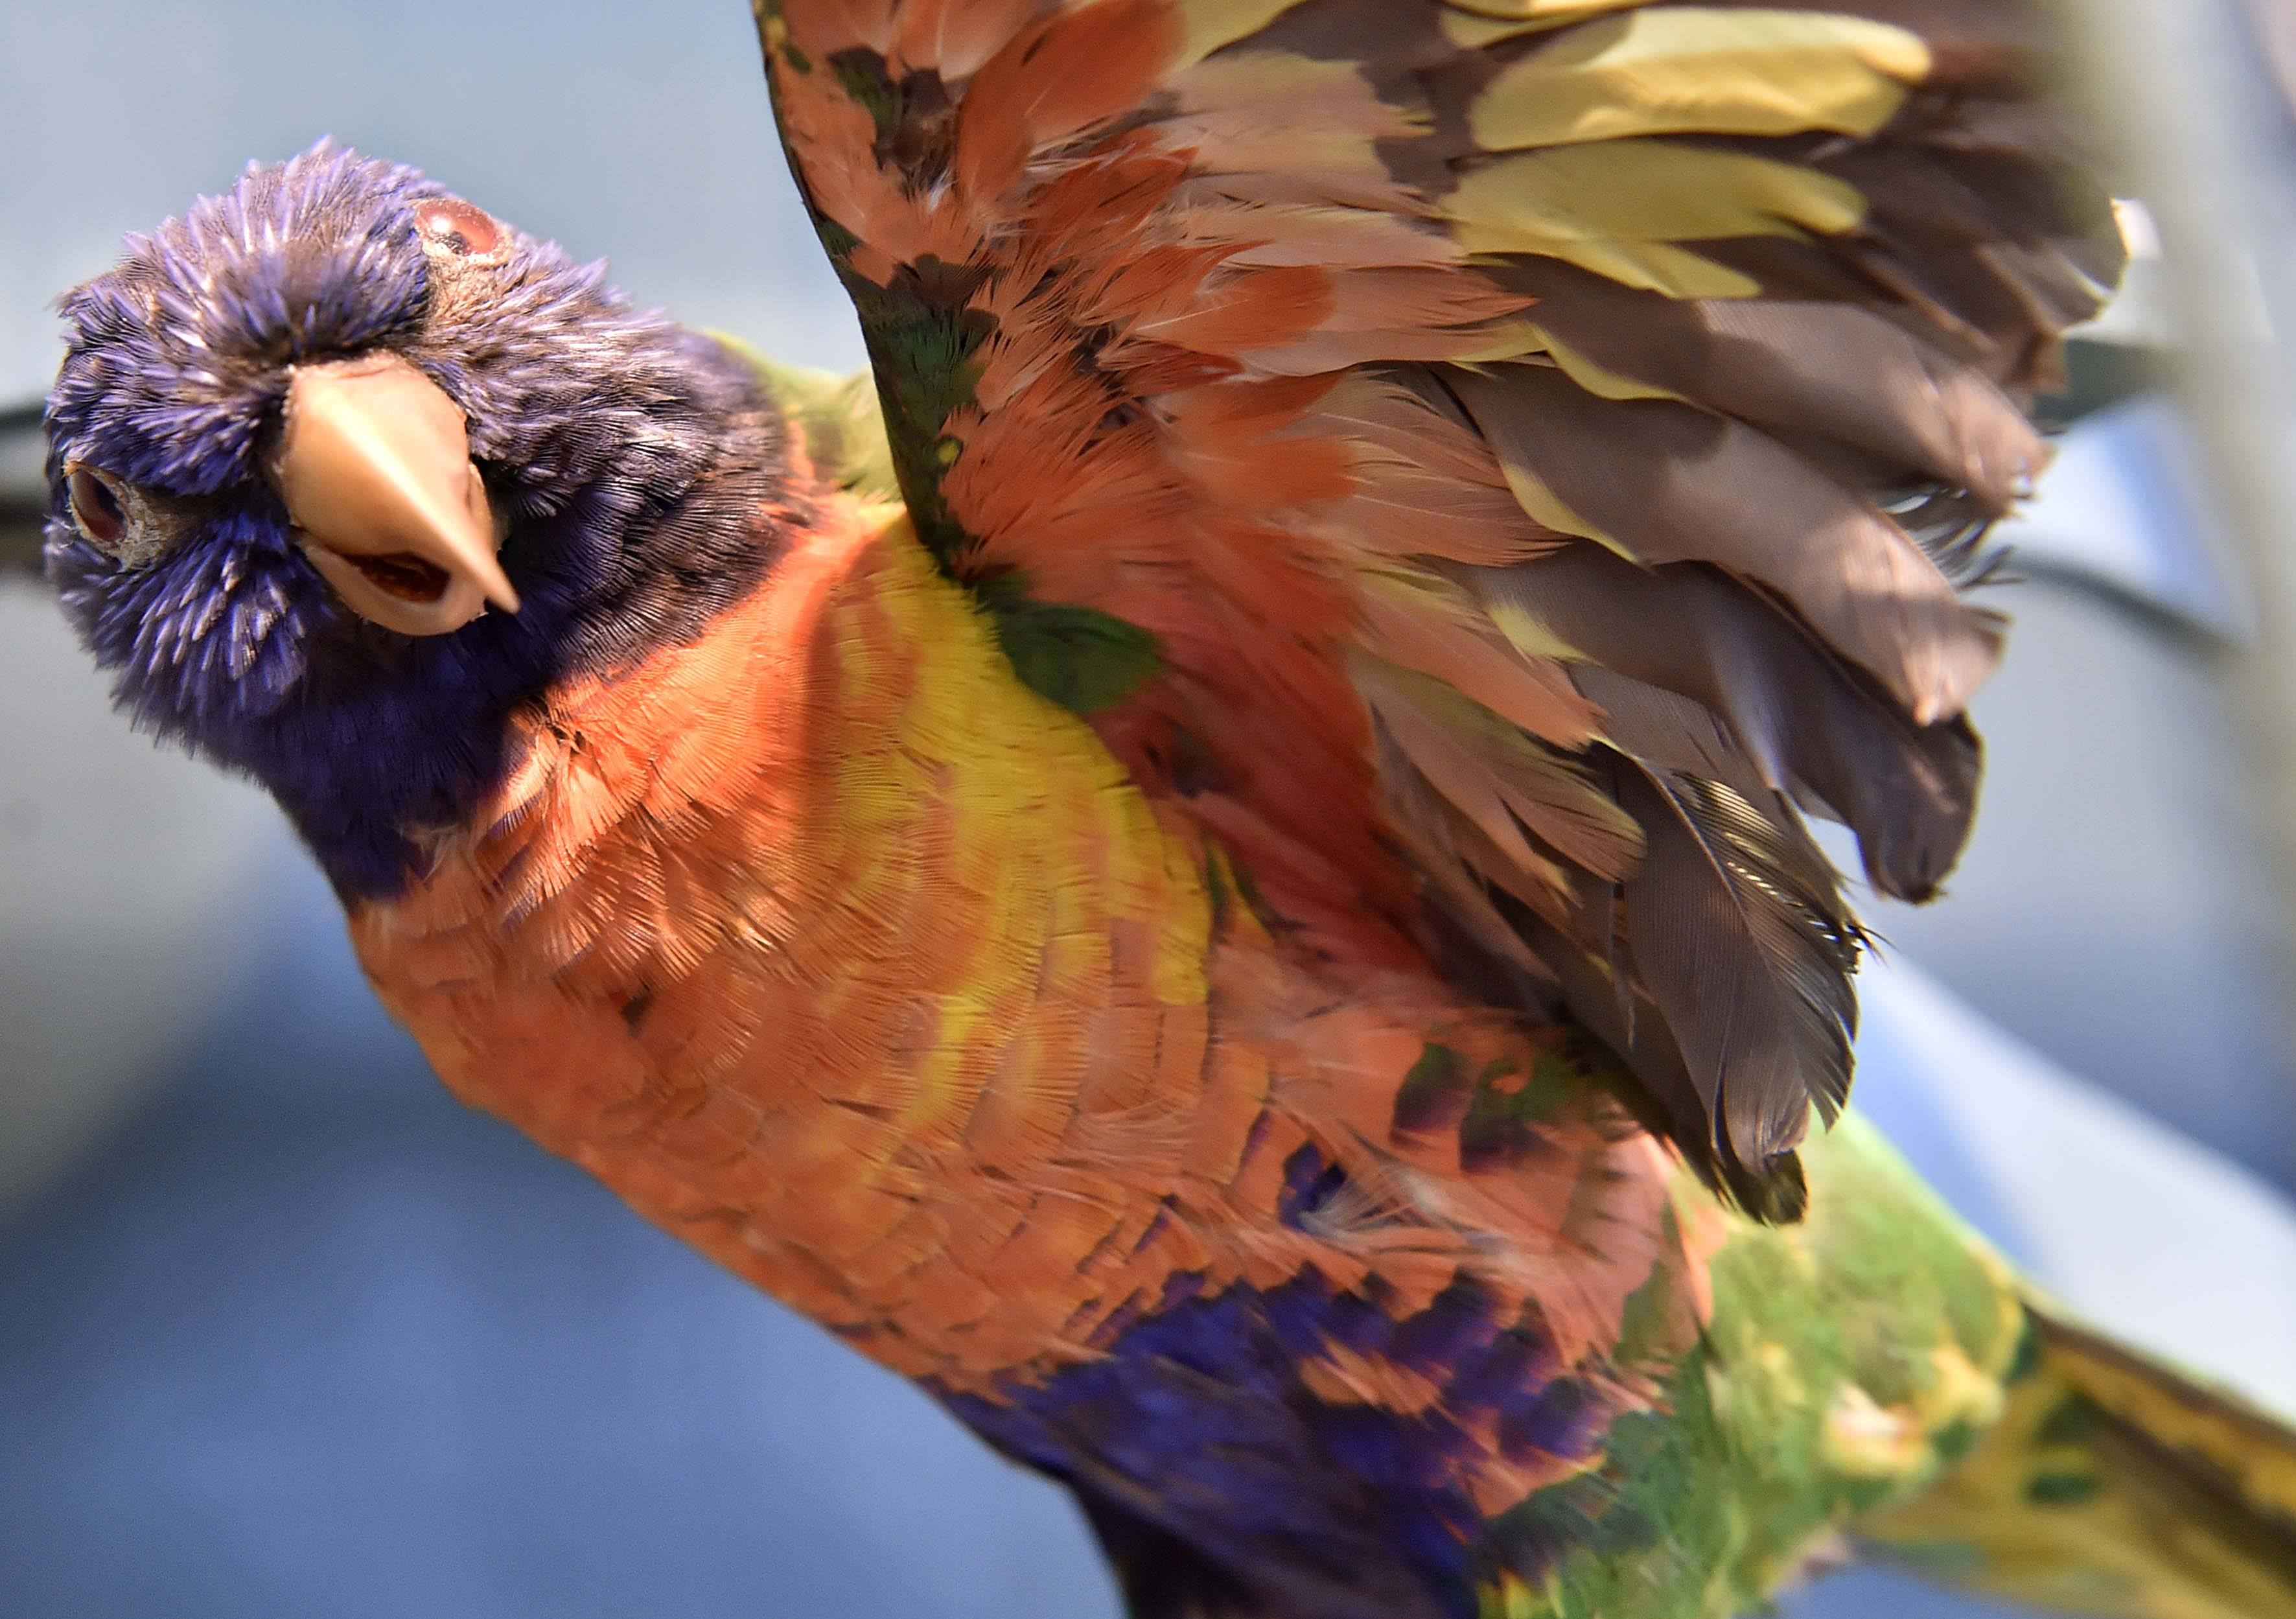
<point x="375" y="466"/>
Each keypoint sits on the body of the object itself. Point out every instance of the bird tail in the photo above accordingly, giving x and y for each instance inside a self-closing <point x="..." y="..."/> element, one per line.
<point x="2112" y="1486"/>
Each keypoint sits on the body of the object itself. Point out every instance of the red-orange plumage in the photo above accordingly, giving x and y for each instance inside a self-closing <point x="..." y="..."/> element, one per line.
<point x="1052" y="78"/>
<point x="824" y="1039"/>
<point x="1152" y="523"/>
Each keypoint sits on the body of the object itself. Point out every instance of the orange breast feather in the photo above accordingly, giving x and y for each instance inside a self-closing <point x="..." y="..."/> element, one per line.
<point x="844" y="957"/>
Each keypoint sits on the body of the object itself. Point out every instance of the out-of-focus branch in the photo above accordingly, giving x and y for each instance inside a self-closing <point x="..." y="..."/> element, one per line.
<point x="2275" y="24"/>
<point x="2188" y="93"/>
<point x="23" y="490"/>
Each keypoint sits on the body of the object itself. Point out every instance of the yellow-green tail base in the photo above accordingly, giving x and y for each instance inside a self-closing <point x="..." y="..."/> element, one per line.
<point x="2111" y="1486"/>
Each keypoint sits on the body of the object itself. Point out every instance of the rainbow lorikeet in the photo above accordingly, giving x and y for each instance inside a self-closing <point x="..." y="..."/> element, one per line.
<point x="1223" y="883"/>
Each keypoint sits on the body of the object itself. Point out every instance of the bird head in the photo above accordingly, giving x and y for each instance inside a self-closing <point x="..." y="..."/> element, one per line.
<point x="343" y="469"/>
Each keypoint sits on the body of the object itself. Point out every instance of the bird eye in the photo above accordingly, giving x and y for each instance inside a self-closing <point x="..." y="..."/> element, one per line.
<point x="97" y="507"/>
<point x="458" y="228"/>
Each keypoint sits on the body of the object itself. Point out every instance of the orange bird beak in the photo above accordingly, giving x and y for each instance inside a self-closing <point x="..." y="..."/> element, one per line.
<point x="375" y="468"/>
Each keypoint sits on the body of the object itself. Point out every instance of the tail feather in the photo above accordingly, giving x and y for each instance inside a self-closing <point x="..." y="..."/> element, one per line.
<point x="2113" y="1486"/>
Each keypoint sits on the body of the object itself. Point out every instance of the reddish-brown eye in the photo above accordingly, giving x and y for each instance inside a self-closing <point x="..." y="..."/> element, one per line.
<point x="458" y="227"/>
<point x="96" y="508"/>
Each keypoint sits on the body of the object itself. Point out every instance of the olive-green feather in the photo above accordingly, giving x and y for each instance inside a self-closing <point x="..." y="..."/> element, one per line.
<point x="1847" y="1362"/>
<point x="1081" y="658"/>
<point x="839" y="417"/>
<point x="2112" y="1486"/>
<point x="1876" y="1379"/>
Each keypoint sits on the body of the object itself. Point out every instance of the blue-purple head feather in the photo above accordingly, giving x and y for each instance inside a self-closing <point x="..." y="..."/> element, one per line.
<point x="634" y="462"/>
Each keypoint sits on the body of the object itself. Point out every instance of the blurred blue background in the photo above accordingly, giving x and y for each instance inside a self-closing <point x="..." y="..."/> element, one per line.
<point x="284" y="1331"/>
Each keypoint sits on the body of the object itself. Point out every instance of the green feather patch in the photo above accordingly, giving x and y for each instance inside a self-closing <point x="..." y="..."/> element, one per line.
<point x="1081" y="658"/>
<point x="921" y="348"/>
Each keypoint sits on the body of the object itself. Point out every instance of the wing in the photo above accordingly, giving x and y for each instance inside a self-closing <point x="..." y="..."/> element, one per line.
<point x="1494" y="463"/>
